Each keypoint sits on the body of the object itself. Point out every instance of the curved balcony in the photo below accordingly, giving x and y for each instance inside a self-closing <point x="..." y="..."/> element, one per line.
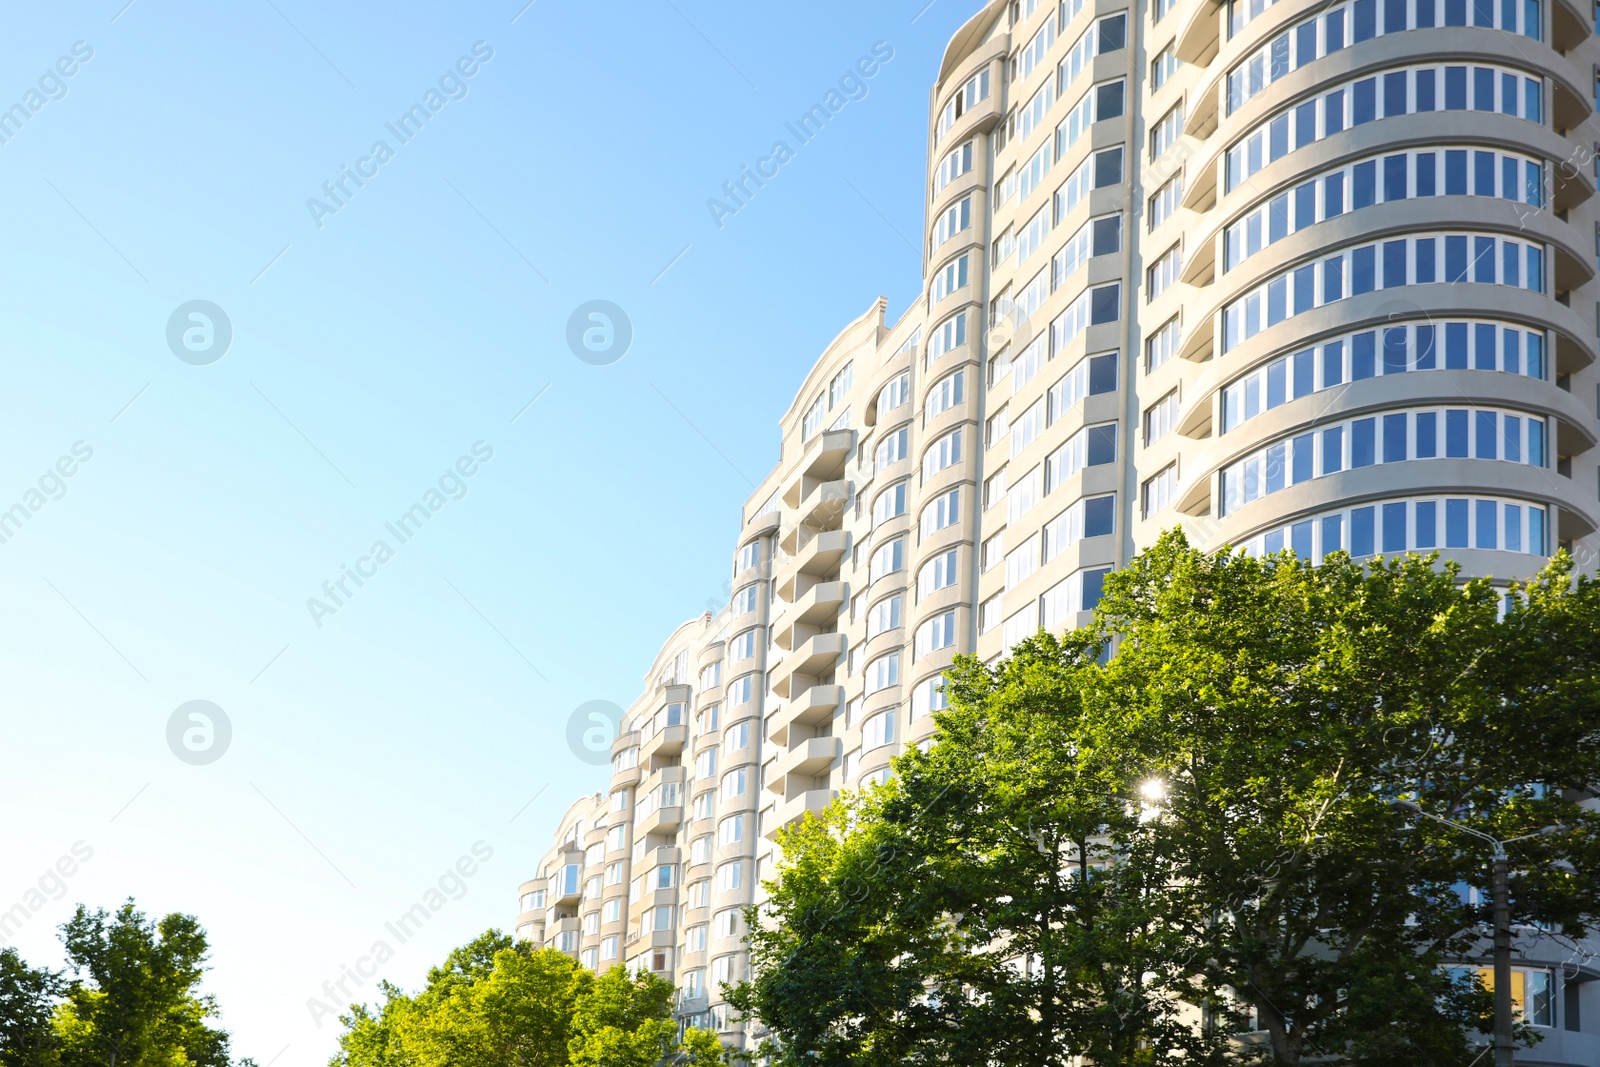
<point x="812" y="757"/>
<point x="667" y="741"/>
<point x="814" y="658"/>
<point x="818" y="607"/>
<point x="814" y="705"/>
<point x="797" y="807"/>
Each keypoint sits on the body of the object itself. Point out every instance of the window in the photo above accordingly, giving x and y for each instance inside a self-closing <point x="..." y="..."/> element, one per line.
<point x="1165" y="201"/>
<point x="1033" y="233"/>
<point x="1165" y="134"/>
<point x="1079" y="591"/>
<point x="705" y="764"/>
<point x="892" y="449"/>
<point x="733" y="784"/>
<point x="1096" y="237"/>
<point x="1021" y="562"/>
<point x="989" y="613"/>
<point x="896" y="392"/>
<point x="742" y="690"/>
<point x="946" y="393"/>
<point x="1089" y="376"/>
<point x="1417" y="434"/>
<point x="749" y="556"/>
<point x="1413" y="260"/>
<point x="941" y="513"/>
<point x="1027" y="58"/>
<point x="1089" y="447"/>
<point x="812" y="422"/>
<point x="695" y="937"/>
<point x="533" y="901"/>
<point x="1102" y="169"/>
<point x="1161" y="345"/>
<point x="929" y="696"/>
<point x="1024" y="494"/>
<point x="746" y="599"/>
<point x="883" y="672"/>
<point x="722" y="970"/>
<point x="1427" y="172"/>
<point x="887" y="559"/>
<point x="994" y="488"/>
<point x="742" y="647"/>
<point x="711" y="675"/>
<point x="1476" y="344"/>
<point x="1406" y="90"/>
<point x="1160" y="417"/>
<point x="938" y="573"/>
<point x="1108" y="34"/>
<point x="1159" y="491"/>
<point x="617" y="836"/>
<point x="877" y="731"/>
<point x="839" y="386"/>
<point x="889" y="504"/>
<point x="944" y="453"/>
<point x="730" y="831"/>
<point x="994" y="550"/>
<point x="1163" y="273"/>
<point x="1163" y="67"/>
<point x="955" y="163"/>
<point x="965" y="99"/>
<point x="1093" y="516"/>
<point x="730" y="876"/>
<point x="700" y="892"/>
<point x="736" y="737"/>
<point x="884" y="615"/>
<point x="1103" y="101"/>
<point x="1416" y="525"/>
<point x="705" y="805"/>
<point x="936" y="633"/>
<point x="727" y="922"/>
<point x="951" y="277"/>
<point x="1094" y="307"/>
<point x="706" y="720"/>
<point x="954" y="219"/>
<point x="948" y="335"/>
<point x="1027" y="428"/>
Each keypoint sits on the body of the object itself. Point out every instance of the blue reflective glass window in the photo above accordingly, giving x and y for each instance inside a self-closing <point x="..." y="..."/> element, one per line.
<point x="1277" y="300"/>
<point x="1102" y="444"/>
<point x="1305" y="43"/>
<point x="1300" y="539"/>
<point x="1484" y="423"/>
<point x="1427" y="524"/>
<point x="1394" y="527"/>
<point x="1332" y="280"/>
<point x="1508" y="94"/>
<point x="1394" y="438"/>
<point x="1427" y="353"/>
<point x="1455" y="172"/>
<point x="1277" y="382"/>
<point x="1332" y="534"/>
<point x="1363" y="270"/>
<point x="1364" y="101"/>
<point x="1483" y="346"/>
<point x="1455" y="259"/>
<point x="1483" y="12"/>
<point x="1333" y="450"/>
<point x="1304" y="456"/>
<point x="1511" y="351"/>
<point x="1426" y="90"/>
<point x="1305" y="124"/>
<point x="1364" y="183"/>
<point x="1483" y="173"/>
<point x="1455" y="434"/>
<point x="1510" y="263"/>
<point x="1395" y="175"/>
<point x="1483" y="259"/>
<point x="1509" y="172"/>
<point x="1305" y="288"/>
<point x="1363" y="443"/>
<point x="1456" y="519"/>
<point x="1099" y="515"/>
<point x="1277" y="466"/>
<point x="1513" y="528"/>
<point x="1396" y="357"/>
<point x="1424" y="15"/>
<point x="1427" y="269"/>
<point x="1361" y="539"/>
<point x="1394" y="94"/>
<point x="1455" y="88"/>
<point x="1394" y="263"/>
<point x="1332" y="363"/>
<point x="1455" y="12"/>
<point x="1487" y="532"/>
<point x="1305" y="205"/>
<point x="1278" y="218"/>
<point x="1455" y="346"/>
<point x="1482" y="89"/>
<point x="1272" y="542"/>
<point x="1426" y="445"/>
<point x="1425" y="165"/>
<point x="1366" y="20"/>
<point x="1363" y="362"/>
<point x="1536" y="356"/>
<point x="1103" y="374"/>
<point x="1536" y="536"/>
<point x="1511" y="438"/>
<point x="1333" y="31"/>
<point x="1533" y="99"/>
<point x="1094" y="584"/>
<point x="1333" y="196"/>
<point x="1333" y="112"/>
<point x="1304" y="364"/>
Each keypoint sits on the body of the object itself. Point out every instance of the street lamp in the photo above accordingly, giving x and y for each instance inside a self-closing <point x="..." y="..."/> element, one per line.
<point x="1504" y="1053"/>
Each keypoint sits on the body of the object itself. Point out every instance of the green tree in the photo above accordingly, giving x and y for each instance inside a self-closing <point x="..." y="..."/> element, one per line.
<point x="623" y="1020"/>
<point x="134" y="1000"/>
<point x="27" y="1002"/>
<point x="974" y="909"/>
<point x="1286" y="706"/>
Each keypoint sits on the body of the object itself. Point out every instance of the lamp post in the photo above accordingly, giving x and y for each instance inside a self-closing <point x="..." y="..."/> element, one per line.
<point x="1500" y="894"/>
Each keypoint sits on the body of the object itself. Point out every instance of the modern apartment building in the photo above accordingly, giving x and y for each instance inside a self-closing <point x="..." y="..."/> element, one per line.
<point x="1291" y="275"/>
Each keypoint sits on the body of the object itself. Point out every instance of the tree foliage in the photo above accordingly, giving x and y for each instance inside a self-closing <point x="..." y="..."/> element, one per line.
<point x="499" y="1003"/>
<point x="1177" y="825"/>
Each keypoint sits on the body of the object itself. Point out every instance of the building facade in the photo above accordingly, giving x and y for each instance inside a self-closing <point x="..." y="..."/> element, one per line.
<point x="1287" y="274"/>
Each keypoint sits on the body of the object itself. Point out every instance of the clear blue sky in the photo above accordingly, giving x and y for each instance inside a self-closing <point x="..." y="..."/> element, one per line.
<point x="365" y="359"/>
